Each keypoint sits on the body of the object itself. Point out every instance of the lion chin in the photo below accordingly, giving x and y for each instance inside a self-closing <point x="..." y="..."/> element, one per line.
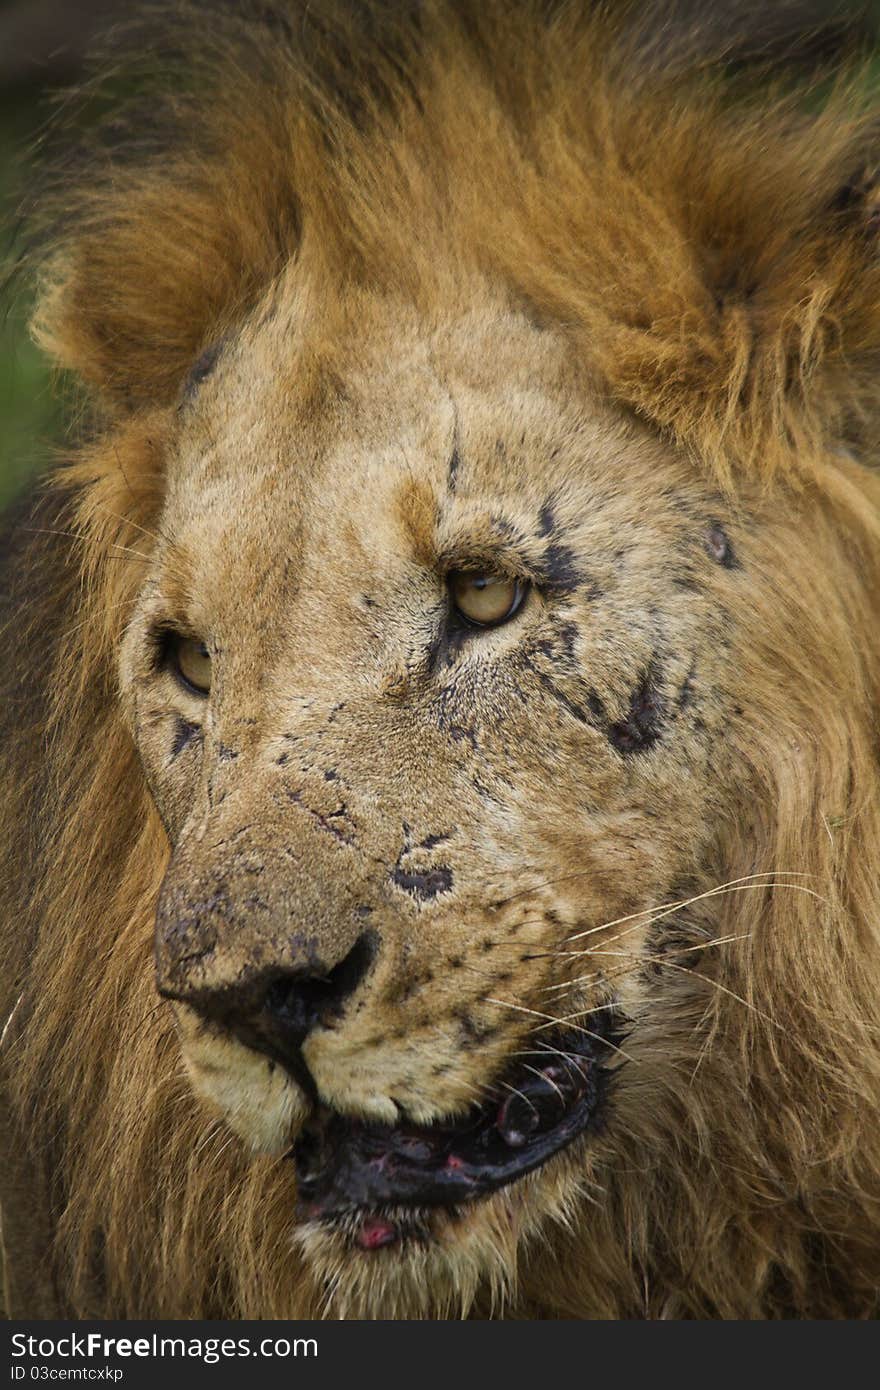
<point x="440" y="1264"/>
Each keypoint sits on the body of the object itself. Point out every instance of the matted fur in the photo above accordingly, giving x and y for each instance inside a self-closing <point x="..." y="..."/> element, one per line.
<point x="709" y="259"/>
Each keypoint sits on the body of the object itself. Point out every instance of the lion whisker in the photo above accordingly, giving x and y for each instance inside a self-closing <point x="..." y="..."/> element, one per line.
<point x="582" y="873"/>
<point x="554" y="1021"/>
<point x="632" y="955"/>
<point x="697" y="975"/>
<point x="735" y="885"/>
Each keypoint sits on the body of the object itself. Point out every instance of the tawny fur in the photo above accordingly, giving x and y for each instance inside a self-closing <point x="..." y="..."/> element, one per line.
<point x="620" y="284"/>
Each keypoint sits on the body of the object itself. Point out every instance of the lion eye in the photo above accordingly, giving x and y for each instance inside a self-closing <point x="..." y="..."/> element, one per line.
<point x="484" y="599"/>
<point x="191" y="662"/>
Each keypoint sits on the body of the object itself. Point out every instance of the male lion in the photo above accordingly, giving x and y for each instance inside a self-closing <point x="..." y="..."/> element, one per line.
<point x="448" y="672"/>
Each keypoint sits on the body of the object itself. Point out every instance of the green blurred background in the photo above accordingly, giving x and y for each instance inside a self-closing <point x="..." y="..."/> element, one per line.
<point x="42" y="47"/>
<point x="29" y="416"/>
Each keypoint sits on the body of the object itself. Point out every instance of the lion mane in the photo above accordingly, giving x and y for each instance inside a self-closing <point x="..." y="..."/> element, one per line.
<point x="706" y="236"/>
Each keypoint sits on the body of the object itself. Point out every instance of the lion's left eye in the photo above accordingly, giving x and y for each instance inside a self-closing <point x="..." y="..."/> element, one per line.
<point x="484" y="599"/>
<point x="191" y="663"/>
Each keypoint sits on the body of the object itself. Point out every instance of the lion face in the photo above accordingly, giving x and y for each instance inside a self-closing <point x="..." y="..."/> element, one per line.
<point x="428" y="679"/>
<point x="493" y="607"/>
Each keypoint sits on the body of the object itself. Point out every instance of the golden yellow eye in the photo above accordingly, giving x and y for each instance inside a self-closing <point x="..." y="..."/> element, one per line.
<point x="485" y="599"/>
<point x="191" y="661"/>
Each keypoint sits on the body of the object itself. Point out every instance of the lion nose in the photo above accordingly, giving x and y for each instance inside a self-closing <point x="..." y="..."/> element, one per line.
<point x="274" y="1011"/>
<point x="295" y="1002"/>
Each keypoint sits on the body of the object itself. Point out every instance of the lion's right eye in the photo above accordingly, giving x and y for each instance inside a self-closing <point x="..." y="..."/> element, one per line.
<point x="190" y="661"/>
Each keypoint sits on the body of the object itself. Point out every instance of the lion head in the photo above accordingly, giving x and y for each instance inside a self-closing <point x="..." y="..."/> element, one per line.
<point x="459" y="888"/>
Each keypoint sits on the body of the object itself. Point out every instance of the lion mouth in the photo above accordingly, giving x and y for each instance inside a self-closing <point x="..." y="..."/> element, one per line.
<point x="347" y="1167"/>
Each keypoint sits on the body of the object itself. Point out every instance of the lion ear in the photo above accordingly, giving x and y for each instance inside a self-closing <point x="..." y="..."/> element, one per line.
<point x="156" y="266"/>
<point x="750" y="330"/>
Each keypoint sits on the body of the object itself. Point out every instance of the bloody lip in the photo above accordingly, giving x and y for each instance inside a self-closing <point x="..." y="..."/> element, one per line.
<point x="553" y="1095"/>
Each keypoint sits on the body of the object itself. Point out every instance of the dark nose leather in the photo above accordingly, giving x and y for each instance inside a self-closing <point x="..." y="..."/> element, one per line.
<point x="275" y="1010"/>
<point x="295" y="1002"/>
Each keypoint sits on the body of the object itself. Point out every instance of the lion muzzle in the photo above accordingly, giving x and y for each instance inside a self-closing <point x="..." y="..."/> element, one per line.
<point x="242" y="960"/>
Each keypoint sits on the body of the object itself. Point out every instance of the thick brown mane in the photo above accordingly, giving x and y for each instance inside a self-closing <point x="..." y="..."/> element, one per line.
<point x="736" y="318"/>
<point x="713" y="258"/>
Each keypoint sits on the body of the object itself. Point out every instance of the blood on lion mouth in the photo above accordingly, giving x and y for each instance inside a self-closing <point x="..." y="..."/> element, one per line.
<point x="349" y="1168"/>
